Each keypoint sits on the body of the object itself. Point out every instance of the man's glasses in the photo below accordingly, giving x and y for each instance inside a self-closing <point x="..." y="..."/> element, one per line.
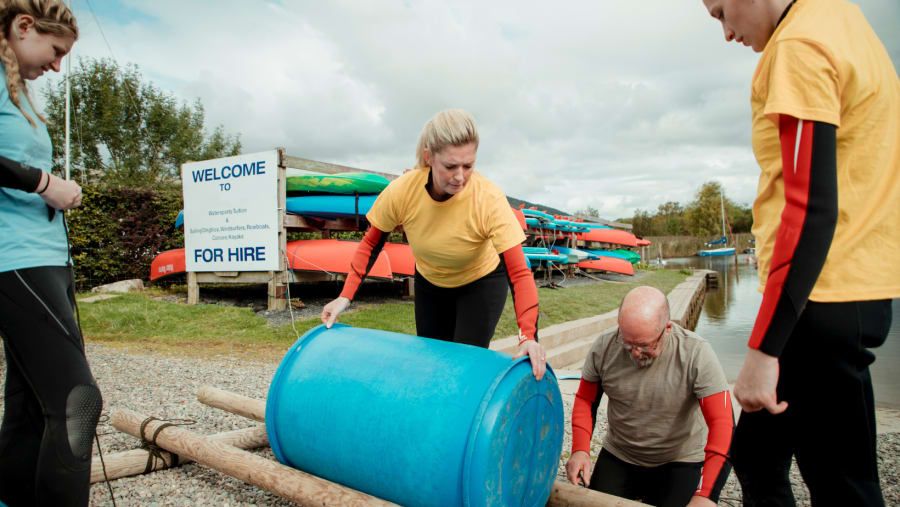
<point x="640" y="348"/>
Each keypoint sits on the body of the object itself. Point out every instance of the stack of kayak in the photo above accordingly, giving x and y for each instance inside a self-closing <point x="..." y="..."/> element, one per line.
<point x="313" y="255"/>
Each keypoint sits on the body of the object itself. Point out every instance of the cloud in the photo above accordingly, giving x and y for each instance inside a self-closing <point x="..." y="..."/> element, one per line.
<point x="615" y="105"/>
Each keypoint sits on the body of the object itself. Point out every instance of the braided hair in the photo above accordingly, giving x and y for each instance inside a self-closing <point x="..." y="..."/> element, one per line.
<point x="50" y="17"/>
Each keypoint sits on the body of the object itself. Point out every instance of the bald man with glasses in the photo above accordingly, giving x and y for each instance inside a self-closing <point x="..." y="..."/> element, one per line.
<point x="670" y="415"/>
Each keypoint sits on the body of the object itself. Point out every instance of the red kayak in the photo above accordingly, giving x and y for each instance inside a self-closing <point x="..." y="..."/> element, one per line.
<point x="401" y="257"/>
<point x="520" y="217"/>
<point x="611" y="264"/>
<point x="332" y="256"/>
<point x="613" y="236"/>
<point x="170" y="262"/>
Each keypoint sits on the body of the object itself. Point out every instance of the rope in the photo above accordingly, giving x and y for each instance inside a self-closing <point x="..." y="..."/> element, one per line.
<point x="154" y="451"/>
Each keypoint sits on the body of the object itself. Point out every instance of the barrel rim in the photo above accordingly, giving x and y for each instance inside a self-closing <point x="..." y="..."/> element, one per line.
<point x="272" y="398"/>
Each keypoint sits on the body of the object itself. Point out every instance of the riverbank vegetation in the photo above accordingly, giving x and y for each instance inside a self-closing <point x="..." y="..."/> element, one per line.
<point x="701" y="218"/>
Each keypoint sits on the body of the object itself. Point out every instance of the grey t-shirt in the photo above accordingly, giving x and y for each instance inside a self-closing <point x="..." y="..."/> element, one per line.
<point x="654" y="414"/>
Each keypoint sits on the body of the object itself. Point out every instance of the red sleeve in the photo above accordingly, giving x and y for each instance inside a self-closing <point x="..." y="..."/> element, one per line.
<point x="809" y="172"/>
<point x="363" y="260"/>
<point x="524" y="293"/>
<point x="584" y="414"/>
<point x="719" y="416"/>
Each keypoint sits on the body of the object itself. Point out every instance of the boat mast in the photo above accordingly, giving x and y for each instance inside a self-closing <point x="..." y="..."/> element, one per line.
<point x="722" y="202"/>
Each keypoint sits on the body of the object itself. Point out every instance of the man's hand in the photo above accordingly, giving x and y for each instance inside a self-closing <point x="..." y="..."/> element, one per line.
<point x="537" y="356"/>
<point x="701" y="501"/>
<point x="755" y="386"/>
<point x="59" y="193"/>
<point x="333" y="309"/>
<point x="578" y="468"/>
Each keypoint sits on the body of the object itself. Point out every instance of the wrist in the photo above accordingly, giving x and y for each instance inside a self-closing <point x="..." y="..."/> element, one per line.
<point x="43" y="188"/>
<point x="523" y="338"/>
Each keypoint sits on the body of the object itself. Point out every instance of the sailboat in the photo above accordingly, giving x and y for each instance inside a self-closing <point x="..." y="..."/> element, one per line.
<point x="715" y="252"/>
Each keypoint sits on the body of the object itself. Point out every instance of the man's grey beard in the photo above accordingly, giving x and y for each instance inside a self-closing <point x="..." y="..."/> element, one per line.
<point x="642" y="361"/>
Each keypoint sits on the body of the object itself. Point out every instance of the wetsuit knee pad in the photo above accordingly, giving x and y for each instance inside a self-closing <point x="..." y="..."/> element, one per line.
<point x="83" y="407"/>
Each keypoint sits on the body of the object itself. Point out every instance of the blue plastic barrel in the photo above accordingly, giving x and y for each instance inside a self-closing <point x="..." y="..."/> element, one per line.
<point x="416" y="421"/>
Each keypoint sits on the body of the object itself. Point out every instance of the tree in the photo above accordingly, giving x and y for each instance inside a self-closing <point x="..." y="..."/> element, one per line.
<point x="590" y="211"/>
<point x="672" y="219"/>
<point x="128" y="132"/>
<point x="704" y="214"/>
<point x="641" y="223"/>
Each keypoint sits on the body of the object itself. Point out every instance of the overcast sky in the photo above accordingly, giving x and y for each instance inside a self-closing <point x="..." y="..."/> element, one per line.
<point x="611" y="104"/>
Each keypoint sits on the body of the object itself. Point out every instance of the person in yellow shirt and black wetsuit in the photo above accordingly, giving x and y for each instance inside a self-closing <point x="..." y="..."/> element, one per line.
<point x="466" y="241"/>
<point x="825" y="102"/>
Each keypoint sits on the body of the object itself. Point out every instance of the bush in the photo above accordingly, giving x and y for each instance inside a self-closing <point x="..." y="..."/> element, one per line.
<point x="117" y="231"/>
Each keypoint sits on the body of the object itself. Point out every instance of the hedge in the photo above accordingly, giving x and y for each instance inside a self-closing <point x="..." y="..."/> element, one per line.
<point x="116" y="232"/>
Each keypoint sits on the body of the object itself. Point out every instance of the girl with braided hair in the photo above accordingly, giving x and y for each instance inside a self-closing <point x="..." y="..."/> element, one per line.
<point x="51" y="400"/>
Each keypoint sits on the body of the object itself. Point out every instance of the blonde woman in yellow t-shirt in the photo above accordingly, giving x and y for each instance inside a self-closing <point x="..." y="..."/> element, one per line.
<point x="825" y="102"/>
<point x="466" y="241"/>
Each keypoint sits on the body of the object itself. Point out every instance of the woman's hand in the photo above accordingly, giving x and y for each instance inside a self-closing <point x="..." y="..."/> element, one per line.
<point x="333" y="309"/>
<point x="537" y="356"/>
<point x="59" y="193"/>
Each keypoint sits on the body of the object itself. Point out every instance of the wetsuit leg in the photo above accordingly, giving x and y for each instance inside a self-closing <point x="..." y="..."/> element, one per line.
<point x="435" y="309"/>
<point x="832" y="389"/>
<point x="20" y="436"/>
<point x="478" y="308"/>
<point x="615" y="477"/>
<point x="672" y="484"/>
<point x="761" y="452"/>
<point x="46" y="362"/>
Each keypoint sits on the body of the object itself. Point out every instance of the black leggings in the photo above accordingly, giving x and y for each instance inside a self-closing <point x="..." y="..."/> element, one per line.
<point x="466" y="314"/>
<point x="829" y="425"/>
<point x="669" y="484"/>
<point x="52" y="402"/>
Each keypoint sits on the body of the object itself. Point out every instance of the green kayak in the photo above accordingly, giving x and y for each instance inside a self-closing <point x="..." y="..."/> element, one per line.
<point x="628" y="255"/>
<point x="342" y="183"/>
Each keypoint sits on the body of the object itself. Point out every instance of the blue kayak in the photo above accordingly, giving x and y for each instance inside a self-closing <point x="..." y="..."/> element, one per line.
<point x="542" y="254"/>
<point x="540" y="215"/>
<point x="330" y="206"/>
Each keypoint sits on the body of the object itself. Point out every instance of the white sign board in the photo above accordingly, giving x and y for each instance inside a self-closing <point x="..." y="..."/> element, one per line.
<point x="231" y="213"/>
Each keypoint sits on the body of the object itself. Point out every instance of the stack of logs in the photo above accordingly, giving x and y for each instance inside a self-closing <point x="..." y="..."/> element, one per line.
<point x="227" y="453"/>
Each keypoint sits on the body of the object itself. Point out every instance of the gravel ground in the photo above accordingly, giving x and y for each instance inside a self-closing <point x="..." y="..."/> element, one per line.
<point x="166" y="387"/>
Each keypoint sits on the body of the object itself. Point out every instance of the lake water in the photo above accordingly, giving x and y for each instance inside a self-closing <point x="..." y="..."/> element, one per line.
<point x="730" y="311"/>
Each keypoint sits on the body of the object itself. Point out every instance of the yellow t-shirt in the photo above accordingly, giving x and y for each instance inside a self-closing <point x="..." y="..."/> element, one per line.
<point x="825" y="63"/>
<point x="457" y="241"/>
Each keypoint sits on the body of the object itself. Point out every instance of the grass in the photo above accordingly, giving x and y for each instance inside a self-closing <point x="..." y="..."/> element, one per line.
<point x="145" y="321"/>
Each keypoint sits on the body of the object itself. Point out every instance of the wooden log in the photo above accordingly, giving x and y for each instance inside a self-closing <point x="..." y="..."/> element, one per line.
<point x="564" y="494"/>
<point x="232" y="402"/>
<point x="300" y="487"/>
<point x="134" y="462"/>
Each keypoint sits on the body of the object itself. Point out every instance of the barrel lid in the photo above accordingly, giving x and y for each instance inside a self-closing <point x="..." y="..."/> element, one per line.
<point x="516" y="438"/>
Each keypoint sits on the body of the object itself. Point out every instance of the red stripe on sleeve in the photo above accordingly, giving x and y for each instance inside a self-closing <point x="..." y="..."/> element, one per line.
<point x="365" y="256"/>
<point x="796" y="158"/>
<point x="719" y="416"/>
<point x="524" y="292"/>
<point x="582" y="417"/>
